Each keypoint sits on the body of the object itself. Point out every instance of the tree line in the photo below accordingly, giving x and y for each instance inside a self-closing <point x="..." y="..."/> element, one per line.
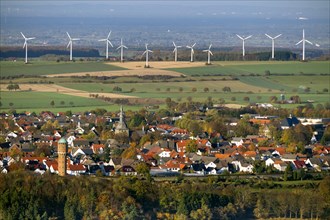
<point x="30" y="196"/>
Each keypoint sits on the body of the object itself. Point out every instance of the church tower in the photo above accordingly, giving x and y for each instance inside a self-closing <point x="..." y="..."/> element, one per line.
<point x="62" y="149"/>
<point x="121" y="126"/>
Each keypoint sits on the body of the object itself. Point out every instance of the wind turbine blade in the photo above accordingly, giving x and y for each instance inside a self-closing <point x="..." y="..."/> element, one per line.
<point x="109" y="42"/>
<point x="193" y="45"/>
<point x="174" y="44"/>
<point x="75" y="39"/>
<point x="102" y="39"/>
<point x="68" y="35"/>
<point x="125" y="46"/>
<point x="299" y="42"/>
<point x="174" y="50"/>
<point x="30" y="38"/>
<point x="109" y="35"/>
<point x="150" y="51"/>
<point x="70" y="42"/>
<point x="210" y="46"/>
<point x="317" y="45"/>
<point x="268" y="36"/>
<point x="277" y="36"/>
<point x="309" y="42"/>
<point x="144" y="53"/>
<point x="24" y="44"/>
<point x="178" y="46"/>
<point x="211" y="53"/>
<point x="188" y="47"/>
<point x="23" y="35"/>
<point x="118" y="47"/>
<point x="239" y="37"/>
<point x="247" y="37"/>
<point x="205" y="50"/>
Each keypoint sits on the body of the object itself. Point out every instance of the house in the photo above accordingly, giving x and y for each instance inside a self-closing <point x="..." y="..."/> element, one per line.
<point x="277" y="163"/>
<point x="315" y="163"/>
<point x="289" y="122"/>
<point x="289" y="157"/>
<point x="75" y="169"/>
<point x="198" y="168"/>
<point x="298" y="164"/>
<point x="127" y="171"/>
<point x="237" y="141"/>
<point x="243" y="166"/>
<point x="98" y="148"/>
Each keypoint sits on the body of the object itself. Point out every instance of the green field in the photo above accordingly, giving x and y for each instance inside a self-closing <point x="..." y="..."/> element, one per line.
<point x="289" y="78"/>
<point x="47" y="67"/>
<point x="254" y="67"/>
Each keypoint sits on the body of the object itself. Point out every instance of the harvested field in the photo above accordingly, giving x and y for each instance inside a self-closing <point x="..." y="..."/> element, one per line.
<point x="133" y="72"/>
<point x="158" y="64"/>
<point x="63" y="90"/>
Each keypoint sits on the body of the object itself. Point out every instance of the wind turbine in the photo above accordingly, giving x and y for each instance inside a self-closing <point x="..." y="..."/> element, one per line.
<point x="243" y="39"/>
<point x="191" y="52"/>
<point x="25" y="44"/>
<point x="209" y="52"/>
<point x="70" y="44"/>
<point x="122" y="46"/>
<point x="107" y="40"/>
<point x="273" y="43"/>
<point x="146" y="52"/>
<point x="175" y="51"/>
<point x="303" y="40"/>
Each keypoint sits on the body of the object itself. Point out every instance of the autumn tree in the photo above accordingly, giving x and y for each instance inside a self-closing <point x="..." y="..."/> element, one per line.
<point x="191" y="146"/>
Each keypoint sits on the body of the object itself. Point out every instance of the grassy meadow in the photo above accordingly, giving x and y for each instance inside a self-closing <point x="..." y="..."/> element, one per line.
<point x="37" y="68"/>
<point x="289" y="78"/>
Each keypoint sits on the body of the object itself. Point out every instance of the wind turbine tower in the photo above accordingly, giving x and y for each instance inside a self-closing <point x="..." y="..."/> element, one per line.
<point x="273" y="43"/>
<point x="209" y="53"/>
<point x="25" y="45"/>
<point x="243" y="39"/>
<point x="107" y="40"/>
<point x="303" y="40"/>
<point x="146" y="52"/>
<point x="70" y="44"/>
<point x="175" y="51"/>
<point x="191" y="52"/>
<point x="121" y="47"/>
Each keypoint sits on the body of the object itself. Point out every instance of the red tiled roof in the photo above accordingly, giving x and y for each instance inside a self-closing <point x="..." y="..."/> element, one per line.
<point x="222" y="156"/>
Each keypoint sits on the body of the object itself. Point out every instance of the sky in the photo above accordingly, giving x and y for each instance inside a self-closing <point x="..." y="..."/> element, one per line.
<point x="202" y="20"/>
<point x="264" y="8"/>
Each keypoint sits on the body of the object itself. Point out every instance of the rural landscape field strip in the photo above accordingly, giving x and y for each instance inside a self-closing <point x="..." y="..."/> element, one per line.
<point x="44" y="68"/>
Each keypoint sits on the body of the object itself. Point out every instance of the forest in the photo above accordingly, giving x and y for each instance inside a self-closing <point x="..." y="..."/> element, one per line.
<point x="29" y="196"/>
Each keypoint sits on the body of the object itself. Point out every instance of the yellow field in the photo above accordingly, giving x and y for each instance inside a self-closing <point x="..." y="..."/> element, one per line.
<point x="158" y="64"/>
<point x="63" y="90"/>
<point x="137" y="69"/>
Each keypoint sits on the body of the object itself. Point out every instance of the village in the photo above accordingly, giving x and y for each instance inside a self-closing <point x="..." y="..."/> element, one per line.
<point x="102" y="144"/>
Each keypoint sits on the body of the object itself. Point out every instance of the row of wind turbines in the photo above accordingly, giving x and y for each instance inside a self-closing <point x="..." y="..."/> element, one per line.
<point x="175" y="51"/>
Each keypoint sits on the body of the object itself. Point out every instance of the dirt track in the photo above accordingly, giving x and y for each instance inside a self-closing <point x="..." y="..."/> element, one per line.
<point x="63" y="90"/>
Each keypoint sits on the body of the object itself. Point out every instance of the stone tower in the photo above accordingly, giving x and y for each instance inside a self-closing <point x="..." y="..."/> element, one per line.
<point x="121" y="126"/>
<point x="62" y="149"/>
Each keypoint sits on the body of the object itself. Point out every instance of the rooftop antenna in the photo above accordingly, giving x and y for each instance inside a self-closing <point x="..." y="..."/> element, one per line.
<point x="121" y="47"/>
<point x="209" y="52"/>
<point x="25" y="45"/>
<point x="146" y="52"/>
<point x="303" y="40"/>
<point x="273" y="43"/>
<point x="107" y="40"/>
<point x="70" y="44"/>
<point x="191" y="52"/>
<point x="175" y="51"/>
<point x="243" y="39"/>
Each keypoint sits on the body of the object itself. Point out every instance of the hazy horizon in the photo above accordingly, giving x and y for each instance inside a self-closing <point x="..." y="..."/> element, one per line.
<point x="160" y="22"/>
